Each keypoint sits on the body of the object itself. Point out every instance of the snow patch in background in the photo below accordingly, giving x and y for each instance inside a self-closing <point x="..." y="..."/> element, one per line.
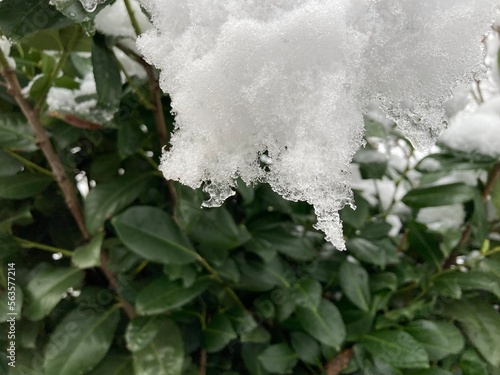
<point x="291" y="79"/>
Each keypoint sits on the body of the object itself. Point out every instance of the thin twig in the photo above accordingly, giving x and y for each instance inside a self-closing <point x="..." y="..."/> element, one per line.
<point x="41" y="246"/>
<point x="133" y="18"/>
<point x="203" y="363"/>
<point x="161" y="126"/>
<point x="127" y="308"/>
<point x="42" y="140"/>
<point x="59" y="174"/>
<point x="29" y="164"/>
<point x="339" y="363"/>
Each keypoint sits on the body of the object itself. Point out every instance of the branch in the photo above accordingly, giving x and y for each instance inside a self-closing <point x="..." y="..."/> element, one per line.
<point x="161" y="127"/>
<point x="339" y="363"/>
<point x="67" y="188"/>
<point x="32" y="116"/>
<point x="203" y="363"/>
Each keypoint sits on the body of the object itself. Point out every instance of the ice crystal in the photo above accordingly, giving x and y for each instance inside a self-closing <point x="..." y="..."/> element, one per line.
<point x="290" y="79"/>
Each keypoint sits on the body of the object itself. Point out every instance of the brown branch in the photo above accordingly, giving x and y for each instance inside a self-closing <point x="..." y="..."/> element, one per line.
<point x="127" y="307"/>
<point x="67" y="188"/>
<point x="492" y="180"/>
<point x="154" y="87"/>
<point x="203" y="363"/>
<point x="339" y="363"/>
<point x="75" y="121"/>
<point x="42" y="140"/>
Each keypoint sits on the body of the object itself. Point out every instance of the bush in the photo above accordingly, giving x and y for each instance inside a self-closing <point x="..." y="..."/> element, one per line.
<point x="118" y="271"/>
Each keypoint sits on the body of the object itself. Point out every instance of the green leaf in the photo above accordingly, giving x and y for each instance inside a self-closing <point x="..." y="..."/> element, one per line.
<point x="306" y="347"/>
<point x="441" y="195"/>
<point x="354" y="283"/>
<point x="435" y="341"/>
<point x="23" y="185"/>
<point x="372" y="164"/>
<point x="89" y="255"/>
<point x="324" y="323"/>
<point x="358" y="217"/>
<point x="431" y="371"/>
<point x="307" y="293"/>
<point x="453" y="283"/>
<point x="218" y="333"/>
<point x="380" y="253"/>
<point x="163" y="295"/>
<point x="109" y="198"/>
<point x="398" y="349"/>
<point x="23" y="17"/>
<point x="15" y="132"/>
<point x="88" y="337"/>
<point x="383" y="281"/>
<point x="141" y="332"/>
<point x="46" y="288"/>
<point x="106" y="75"/>
<point x="11" y="303"/>
<point x="20" y="217"/>
<point x="481" y="324"/>
<point x="258" y="335"/>
<point x="157" y="346"/>
<point x="425" y="243"/>
<point x="249" y="353"/>
<point x="216" y="229"/>
<point x="130" y="138"/>
<point x="279" y="359"/>
<point x="115" y="364"/>
<point x="282" y="238"/>
<point x="471" y="364"/>
<point x="8" y="165"/>
<point x="152" y="234"/>
<point x="357" y="323"/>
<point x="258" y="276"/>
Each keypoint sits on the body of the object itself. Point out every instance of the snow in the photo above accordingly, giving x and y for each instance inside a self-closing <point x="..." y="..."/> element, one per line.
<point x="291" y="79"/>
<point x="91" y="5"/>
<point x="442" y="218"/>
<point x="5" y="47"/>
<point x="478" y="132"/>
<point x="114" y="20"/>
<point x="81" y="101"/>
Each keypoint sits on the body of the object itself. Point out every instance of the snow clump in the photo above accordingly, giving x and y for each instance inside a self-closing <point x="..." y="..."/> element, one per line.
<point x="290" y="79"/>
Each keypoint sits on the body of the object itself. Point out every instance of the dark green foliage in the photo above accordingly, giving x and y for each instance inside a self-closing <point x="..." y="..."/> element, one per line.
<point x="247" y="288"/>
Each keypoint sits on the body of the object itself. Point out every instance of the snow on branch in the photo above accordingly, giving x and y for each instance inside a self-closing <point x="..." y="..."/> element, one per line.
<point x="290" y="79"/>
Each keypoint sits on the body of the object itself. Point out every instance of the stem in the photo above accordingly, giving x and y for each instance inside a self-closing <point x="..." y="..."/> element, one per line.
<point x="29" y="164"/>
<point x="41" y="246"/>
<point x="58" y="171"/>
<point x="339" y="363"/>
<point x="132" y="17"/>
<point x="42" y="140"/>
<point x="161" y="127"/>
<point x="203" y="362"/>
<point x="217" y="278"/>
<point x="127" y="308"/>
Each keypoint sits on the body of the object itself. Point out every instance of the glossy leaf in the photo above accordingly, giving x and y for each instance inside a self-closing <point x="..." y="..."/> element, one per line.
<point x="481" y="324"/>
<point x="218" y="333"/>
<point x="436" y="341"/>
<point x="324" y="323"/>
<point x="23" y="17"/>
<point x="354" y="283"/>
<point x="106" y="75"/>
<point x="161" y="351"/>
<point x="89" y="255"/>
<point x="109" y="198"/>
<point x="152" y="234"/>
<point x="23" y="185"/>
<point x="163" y="295"/>
<point x="278" y="358"/>
<point x="46" y="287"/>
<point x="87" y="336"/>
<point x="307" y="293"/>
<point x="306" y="347"/>
<point x="441" y="195"/>
<point x="396" y="348"/>
<point x="115" y="364"/>
<point x="11" y="304"/>
<point x="8" y="165"/>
